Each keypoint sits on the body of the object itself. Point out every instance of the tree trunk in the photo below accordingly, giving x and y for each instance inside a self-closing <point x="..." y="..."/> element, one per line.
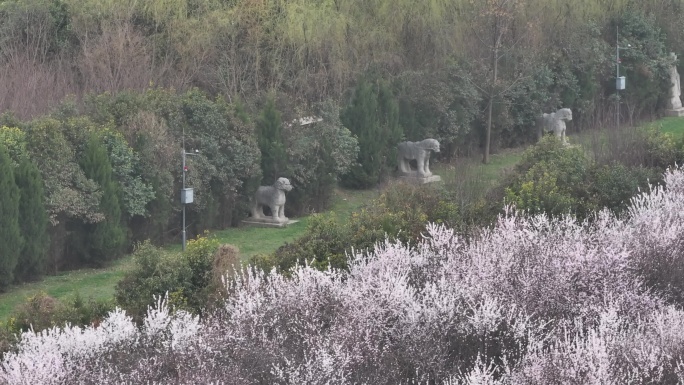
<point x="495" y="65"/>
<point x="485" y="158"/>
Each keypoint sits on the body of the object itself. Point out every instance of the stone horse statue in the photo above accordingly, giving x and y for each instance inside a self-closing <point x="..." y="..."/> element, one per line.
<point x="274" y="198"/>
<point x="554" y="122"/>
<point x="420" y="151"/>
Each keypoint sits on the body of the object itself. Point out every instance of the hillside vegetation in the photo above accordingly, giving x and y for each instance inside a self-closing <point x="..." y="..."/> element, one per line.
<point x="103" y="101"/>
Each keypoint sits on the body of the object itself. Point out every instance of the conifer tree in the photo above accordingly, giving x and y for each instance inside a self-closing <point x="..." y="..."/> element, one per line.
<point x="104" y="240"/>
<point x="373" y="117"/>
<point x="33" y="221"/>
<point x="11" y="240"/>
<point x="273" y="156"/>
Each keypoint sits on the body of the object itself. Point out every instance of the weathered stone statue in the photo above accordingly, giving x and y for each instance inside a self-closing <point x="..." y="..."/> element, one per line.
<point x="420" y="152"/>
<point x="675" y="102"/>
<point x="554" y="122"/>
<point x="274" y="198"/>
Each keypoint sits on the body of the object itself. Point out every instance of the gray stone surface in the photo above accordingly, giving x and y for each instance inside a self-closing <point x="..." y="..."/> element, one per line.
<point x="267" y="222"/>
<point x="274" y="198"/>
<point x="554" y="122"/>
<point x="418" y="151"/>
<point x="420" y="180"/>
<point x="675" y="102"/>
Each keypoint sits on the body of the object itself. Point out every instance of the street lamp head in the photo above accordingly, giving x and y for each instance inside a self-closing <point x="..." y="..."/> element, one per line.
<point x="196" y="151"/>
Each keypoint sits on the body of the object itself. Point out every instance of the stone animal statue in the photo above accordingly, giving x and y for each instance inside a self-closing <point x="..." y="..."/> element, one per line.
<point x="554" y="122"/>
<point x="420" y="151"/>
<point x="675" y="102"/>
<point x="274" y="198"/>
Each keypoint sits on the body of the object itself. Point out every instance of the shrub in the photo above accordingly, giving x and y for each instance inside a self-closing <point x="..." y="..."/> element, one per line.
<point x="226" y="264"/>
<point x="199" y="256"/>
<point x="557" y="180"/>
<point x="373" y="117"/>
<point x="33" y="221"/>
<point x="318" y="153"/>
<point x="186" y="277"/>
<point x="11" y="240"/>
<point x="156" y="272"/>
<point x="41" y="312"/>
<point x="551" y="178"/>
<point x="400" y="213"/>
<point x="269" y="131"/>
<point x="613" y="186"/>
<point x="103" y="240"/>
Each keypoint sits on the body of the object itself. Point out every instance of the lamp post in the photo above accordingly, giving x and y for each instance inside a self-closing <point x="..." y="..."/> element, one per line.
<point x="186" y="193"/>
<point x="619" y="81"/>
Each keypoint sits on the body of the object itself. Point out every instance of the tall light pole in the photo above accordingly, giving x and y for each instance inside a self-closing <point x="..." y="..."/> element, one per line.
<point x="619" y="81"/>
<point x="186" y="193"/>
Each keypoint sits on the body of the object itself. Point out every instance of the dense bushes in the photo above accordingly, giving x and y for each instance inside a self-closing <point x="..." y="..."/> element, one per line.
<point x="189" y="278"/>
<point x="555" y="179"/>
<point x="318" y="155"/>
<point x="532" y="300"/>
<point x="373" y="117"/>
<point x="10" y="233"/>
<point x="400" y="213"/>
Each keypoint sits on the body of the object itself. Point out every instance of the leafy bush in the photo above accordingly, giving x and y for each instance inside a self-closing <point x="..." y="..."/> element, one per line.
<point x="400" y="213"/>
<point x="11" y="239"/>
<point x="186" y="277"/>
<point x="551" y="179"/>
<point x="156" y="272"/>
<point x="613" y="186"/>
<point x="556" y="180"/>
<point x="318" y="155"/>
<point x="40" y="312"/>
<point x="373" y="117"/>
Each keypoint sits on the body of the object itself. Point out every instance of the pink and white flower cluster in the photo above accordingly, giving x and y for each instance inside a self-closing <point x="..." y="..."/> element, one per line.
<point x="532" y="300"/>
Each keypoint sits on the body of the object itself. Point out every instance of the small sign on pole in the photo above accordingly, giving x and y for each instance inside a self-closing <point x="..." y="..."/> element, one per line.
<point x="620" y="84"/>
<point x="186" y="195"/>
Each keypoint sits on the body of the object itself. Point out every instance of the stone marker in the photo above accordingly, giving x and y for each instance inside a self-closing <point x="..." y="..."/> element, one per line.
<point x="554" y="122"/>
<point x="274" y="198"/>
<point x="674" y="104"/>
<point x="420" y="152"/>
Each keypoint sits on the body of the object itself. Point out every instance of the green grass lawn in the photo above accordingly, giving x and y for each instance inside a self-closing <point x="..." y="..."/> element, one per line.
<point x="256" y="240"/>
<point x="672" y="125"/>
<point x="98" y="284"/>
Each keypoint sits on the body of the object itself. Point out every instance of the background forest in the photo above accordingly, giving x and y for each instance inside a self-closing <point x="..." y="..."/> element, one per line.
<point x="96" y="96"/>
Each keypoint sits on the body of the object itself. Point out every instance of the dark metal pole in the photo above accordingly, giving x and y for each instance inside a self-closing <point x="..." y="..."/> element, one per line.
<point x="183" y="156"/>
<point x="617" y="76"/>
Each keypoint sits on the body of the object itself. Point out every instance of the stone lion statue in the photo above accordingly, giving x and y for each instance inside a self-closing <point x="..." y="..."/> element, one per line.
<point x="554" y="122"/>
<point x="274" y="198"/>
<point x="420" y="151"/>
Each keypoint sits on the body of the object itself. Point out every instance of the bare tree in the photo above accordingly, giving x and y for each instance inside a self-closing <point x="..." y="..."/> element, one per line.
<point x="495" y="30"/>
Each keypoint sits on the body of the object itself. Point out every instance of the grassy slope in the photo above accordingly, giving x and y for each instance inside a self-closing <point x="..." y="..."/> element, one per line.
<point x="469" y="175"/>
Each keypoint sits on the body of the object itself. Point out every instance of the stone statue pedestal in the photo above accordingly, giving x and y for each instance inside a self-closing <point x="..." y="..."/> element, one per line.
<point x="677" y="112"/>
<point x="267" y="222"/>
<point x="674" y="105"/>
<point x="415" y="179"/>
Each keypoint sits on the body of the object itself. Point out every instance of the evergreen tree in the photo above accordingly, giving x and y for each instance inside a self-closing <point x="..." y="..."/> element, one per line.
<point x="373" y="117"/>
<point x="33" y="221"/>
<point x="273" y="156"/>
<point x="103" y="240"/>
<point x="11" y="240"/>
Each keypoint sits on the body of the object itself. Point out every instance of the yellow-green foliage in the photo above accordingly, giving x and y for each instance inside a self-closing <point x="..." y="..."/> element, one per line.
<point x="540" y="193"/>
<point x="14" y="140"/>
<point x="186" y="277"/>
